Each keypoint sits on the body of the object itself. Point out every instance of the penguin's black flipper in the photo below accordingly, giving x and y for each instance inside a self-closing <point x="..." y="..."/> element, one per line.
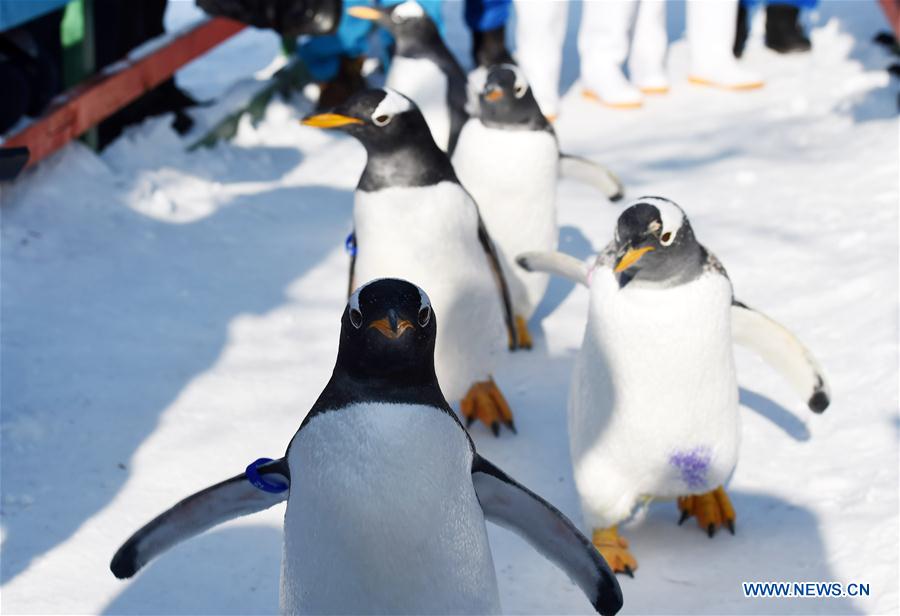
<point x="494" y="259"/>
<point x="511" y="505"/>
<point x="219" y="503"/>
<point x="779" y="348"/>
<point x="592" y="173"/>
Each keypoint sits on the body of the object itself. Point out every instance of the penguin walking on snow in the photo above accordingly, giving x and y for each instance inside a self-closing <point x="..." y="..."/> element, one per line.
<point x="653" y="408"/>
<point x="508" y="158"/>
<point x="386" y="496"/>
<point x="423" y="68"/>
<point x="414" y="220"/>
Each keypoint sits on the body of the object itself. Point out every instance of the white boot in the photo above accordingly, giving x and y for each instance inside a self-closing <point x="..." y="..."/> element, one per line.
<point x="647" y="60"/>
<point x="710" y="30"/>
<point x="540" y="33"/>
<point x="603" y="46"/>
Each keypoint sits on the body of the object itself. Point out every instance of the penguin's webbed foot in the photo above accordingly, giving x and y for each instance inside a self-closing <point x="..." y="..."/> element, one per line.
<point x="712" y="510"/>
<point x="485" y="402"/>
<point x="525" y="341"/>
<point x="614" y="550"/>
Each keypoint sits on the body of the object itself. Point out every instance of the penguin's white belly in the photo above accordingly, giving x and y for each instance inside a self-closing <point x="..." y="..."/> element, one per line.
<point x="383" y="518"/>
<point x="429" y="236"/>
<point x="653" y="408"/>
<point x="512" y="175"/>
<point x="426" y="84"/>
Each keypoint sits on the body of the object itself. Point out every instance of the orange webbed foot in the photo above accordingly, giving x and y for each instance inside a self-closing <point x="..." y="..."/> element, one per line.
<point x="485" y="402"/>
<point x="712" y="510"/>
<point x="614" y="550"/>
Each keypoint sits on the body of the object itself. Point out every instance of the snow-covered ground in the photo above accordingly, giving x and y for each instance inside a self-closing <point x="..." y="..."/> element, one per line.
<point x="169" y="317"/>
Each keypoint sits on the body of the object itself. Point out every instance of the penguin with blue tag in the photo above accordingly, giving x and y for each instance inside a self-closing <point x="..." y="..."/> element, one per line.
<point x="422" y="68"/>
<point x="508" y="158"/>
<point x="386" y="496"/>
<point x="653" y="406"/>
<point x="413" y="220"/>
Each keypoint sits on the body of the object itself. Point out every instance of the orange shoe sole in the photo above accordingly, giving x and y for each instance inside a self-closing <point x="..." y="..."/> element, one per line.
<point x="699" y="81"/>
<point x="594" y="98"/>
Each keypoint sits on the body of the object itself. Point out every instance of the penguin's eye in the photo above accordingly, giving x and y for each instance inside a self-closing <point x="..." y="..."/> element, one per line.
<point x="667" y="238"/>
<point x="520" y="91"/>
<point x="424" y="316"/>
<point x="382" y="120"/>
<point x="355" y="318"/>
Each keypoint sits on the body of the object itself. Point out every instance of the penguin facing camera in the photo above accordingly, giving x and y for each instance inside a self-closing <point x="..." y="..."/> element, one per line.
<point x="423" y="68"/>
<point x="656" y="368"/>
<point x="508" y="158"/>
<point x="386" y="496"/>
<point x="413" y="220"/>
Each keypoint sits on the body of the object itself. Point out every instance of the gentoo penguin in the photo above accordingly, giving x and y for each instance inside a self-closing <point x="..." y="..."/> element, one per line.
<point x="423" y="68"/>
<point x="653" y="407"/>
<point x="386" y="496"/>
<point x="414" y="220"/>
<point x="508" y="158"/>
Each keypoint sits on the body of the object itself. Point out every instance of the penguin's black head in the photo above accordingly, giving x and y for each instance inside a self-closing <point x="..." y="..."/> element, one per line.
<point x="505" y="100"/>
<point x="655" y="243"/>
<point x="381" y="119"/>
<point x="407" y="21"/>
<point x="388" y="330"/>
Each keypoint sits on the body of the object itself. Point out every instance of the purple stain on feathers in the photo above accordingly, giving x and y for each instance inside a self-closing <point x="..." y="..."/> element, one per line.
<point x="693" y="466"/>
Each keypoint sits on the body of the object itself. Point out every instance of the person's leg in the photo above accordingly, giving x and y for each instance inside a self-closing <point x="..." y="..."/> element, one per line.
<point x="540" y="33"/>
<point x="710" y="31"/>
<point x="646" y="63"/>
<point x="783" y="31"/>
<point x="487" y="22"/>
<point x="603" y="41"/>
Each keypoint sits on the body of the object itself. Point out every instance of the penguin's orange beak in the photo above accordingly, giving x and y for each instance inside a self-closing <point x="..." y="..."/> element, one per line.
<point x="329" y="120"/>
<point x="494" y="95"/>
<point x="364" y="12"/>
<point x="631" y="257"/>
<point x="384" y="327"/>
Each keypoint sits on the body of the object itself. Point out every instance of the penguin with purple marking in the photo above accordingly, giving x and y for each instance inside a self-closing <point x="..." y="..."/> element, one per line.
<point x="653" y="405"/>
<point x="386" y="496"/>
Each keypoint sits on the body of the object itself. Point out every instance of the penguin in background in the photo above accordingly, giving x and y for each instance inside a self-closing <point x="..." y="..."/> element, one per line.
<point x="413" y="220"/>
<point x="423" y="68"/>
<point x="386" y="496"/>
<point x="508" y="158"/>
<point x="653" y="406"/>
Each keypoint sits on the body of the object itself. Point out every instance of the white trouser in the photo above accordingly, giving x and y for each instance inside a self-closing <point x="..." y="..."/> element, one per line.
<point x="710" y="31"/>
<point x="540" y="33"/>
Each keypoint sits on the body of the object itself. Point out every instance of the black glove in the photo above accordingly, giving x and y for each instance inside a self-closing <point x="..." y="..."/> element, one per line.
<point x="287" y="17"/>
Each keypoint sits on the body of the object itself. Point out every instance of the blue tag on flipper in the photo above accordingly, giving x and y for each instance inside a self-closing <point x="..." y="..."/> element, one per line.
<point x="350" y="244"/>
<point x="261" y="482"/>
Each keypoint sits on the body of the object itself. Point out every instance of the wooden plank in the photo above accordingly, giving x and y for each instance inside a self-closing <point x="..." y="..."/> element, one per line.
<point x="88" y="103"/>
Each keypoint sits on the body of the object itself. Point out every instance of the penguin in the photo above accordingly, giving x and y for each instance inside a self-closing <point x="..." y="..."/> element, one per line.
<point x="423" y="68"/>
<point x="653" y="405"/>
<point x="386" y="495"/>
<point x="413" y="220"/>
<point x="508" y="158"/>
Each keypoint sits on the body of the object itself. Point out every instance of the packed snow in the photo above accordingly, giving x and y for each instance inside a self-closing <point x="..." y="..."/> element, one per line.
<point x="169" y="317"/>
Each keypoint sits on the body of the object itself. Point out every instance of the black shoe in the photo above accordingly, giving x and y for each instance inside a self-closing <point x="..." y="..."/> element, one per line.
<point x="489" y="47"/>
<point x="741" y="32"/>
<point x="783" y="31"/>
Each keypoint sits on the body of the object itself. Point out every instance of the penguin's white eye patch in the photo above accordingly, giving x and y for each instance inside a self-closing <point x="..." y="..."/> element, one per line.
<point x="520" y="91"/>
<point x="424" y="315"/>
<point x="356" y="318"/>
<point x="382" y="120"/>
<point x="667" y="238"/>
